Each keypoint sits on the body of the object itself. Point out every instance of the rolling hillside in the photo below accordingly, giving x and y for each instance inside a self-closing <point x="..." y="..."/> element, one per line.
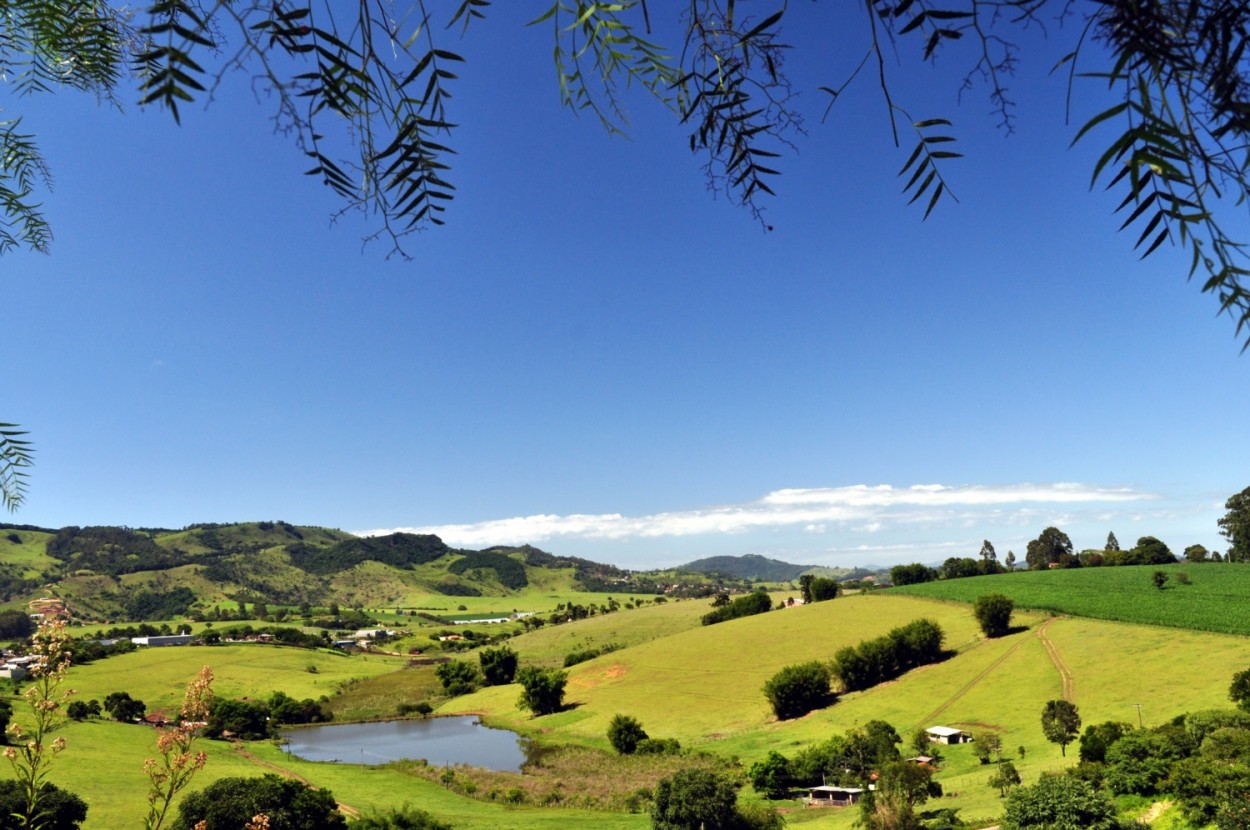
<point x="112" y="572"/>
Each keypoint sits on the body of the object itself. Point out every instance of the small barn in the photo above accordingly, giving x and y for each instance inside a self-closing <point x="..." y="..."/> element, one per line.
<point x="947" y="735"/>
<point x="826" y="796"/>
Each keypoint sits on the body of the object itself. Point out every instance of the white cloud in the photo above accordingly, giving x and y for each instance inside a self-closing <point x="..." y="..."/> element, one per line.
<point x="861" y="507"/>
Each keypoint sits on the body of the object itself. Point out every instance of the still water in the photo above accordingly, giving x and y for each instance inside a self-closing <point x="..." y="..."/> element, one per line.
<point x="441" y="741"/>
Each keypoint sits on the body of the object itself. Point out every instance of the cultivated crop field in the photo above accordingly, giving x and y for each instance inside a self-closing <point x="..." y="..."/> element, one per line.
<point x="1215" y="599"/>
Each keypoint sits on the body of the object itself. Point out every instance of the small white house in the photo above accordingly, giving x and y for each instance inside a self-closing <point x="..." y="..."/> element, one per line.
<point x="947" y="735"/>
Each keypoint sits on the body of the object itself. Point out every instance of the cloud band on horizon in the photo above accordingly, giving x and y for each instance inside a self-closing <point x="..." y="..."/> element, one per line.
<point x="869" y="507"/>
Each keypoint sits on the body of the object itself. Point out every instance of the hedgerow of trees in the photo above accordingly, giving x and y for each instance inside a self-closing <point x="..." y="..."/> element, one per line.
<point x="756" y="602"/>
<point x="902" y="649"/>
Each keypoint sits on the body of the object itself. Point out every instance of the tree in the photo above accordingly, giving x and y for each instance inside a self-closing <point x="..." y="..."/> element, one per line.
<point x="83" y="709"/>
<point x="1159" y="579"/>
<point x="1098" y="738"/>
<point x="1235" y="526"/>
<point x="694" y="799"/>
<point x="987" y="745"/>
<point x="798" y="689"/>
<point x="625" y="733"/>
<point x="1112" y="542"/>
<point x="1197" y="554"/>
<point x="805" y="587"/>
<point x="15" y="624"/>
<point x="247" y="720"/>
<point x="60" y="809"/>
<point x="987" y="552"/>
<point x="1239" y="690"/>
<point x="1060" y="723"/>
<point x="230" y="803"/>
<point x="1010" y="560"/>
<point x="1051" y="547"/>
<point x="771" y="777"/>
<point x="823" y="588"/>
<point x="957" y="567"/>
<point x="1139" y="761"/>
<point x="1151" y="551"/>
<point x="993" y="613"/>
<point x="912" y="574"/>
<point x="122" y="707"/>
<point x="458" y="677"/>
<point x="542" y="689"/>
<point x="1004" y="778"/>
<point x="1059" y="802"/>
<point x="498" y="665"/>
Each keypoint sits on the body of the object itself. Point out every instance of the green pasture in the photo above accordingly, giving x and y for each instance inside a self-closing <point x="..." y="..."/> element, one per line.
<point x="703" y="685"/>
<point x="1213" y="601"/>
<point x="158" y="676"/>
<point x="548" y="645"/>
<point x="28" y="553"/>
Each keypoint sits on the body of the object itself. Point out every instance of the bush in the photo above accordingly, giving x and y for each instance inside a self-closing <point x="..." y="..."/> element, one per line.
<point x="695" y="799"/>
<point x="498" y="665"/>
<point x="658" y="746"/>
<point x="62" y="809"/>
<point x="625" y="733"/>
<point x="993" y="613"/>
<point x="542" y="689"/>
<point x="229" y="803"/>
<point x="405" y="818"/>
<point x="458" y="677"/>
<point x="796" y="690"/>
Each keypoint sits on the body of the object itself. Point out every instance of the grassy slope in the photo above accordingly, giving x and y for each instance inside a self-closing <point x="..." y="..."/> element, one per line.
<point x="677" y="690"/>
<point x="158" y="676"/>
<point x="1215" y="601"/>
<point x="29" y="553"/>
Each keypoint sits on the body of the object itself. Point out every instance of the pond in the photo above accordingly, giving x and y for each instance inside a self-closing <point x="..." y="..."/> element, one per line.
<point x="441" y="741"/>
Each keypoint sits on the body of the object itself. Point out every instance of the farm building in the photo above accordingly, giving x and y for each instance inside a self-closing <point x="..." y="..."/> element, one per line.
<point x="947" y="735"/>
<point x="164" y="640"/>
<point x="826" y="796"/>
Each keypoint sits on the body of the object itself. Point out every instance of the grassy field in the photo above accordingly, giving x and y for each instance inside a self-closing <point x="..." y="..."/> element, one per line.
<point x="28" y="552"/>
<point x="158" y="676"/>
<point x="1213" y="601"/>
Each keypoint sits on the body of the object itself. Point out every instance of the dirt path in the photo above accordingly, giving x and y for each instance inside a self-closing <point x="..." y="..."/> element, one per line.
<point x="1065" y="674"/>
<point x="971" y="684"/>
<point x="1157" y="809"/>
<point x="346" y="809"/>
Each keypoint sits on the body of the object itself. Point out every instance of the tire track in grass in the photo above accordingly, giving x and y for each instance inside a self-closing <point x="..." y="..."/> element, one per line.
<point x="1065" y="674"/>
<point x="971" y="684"/>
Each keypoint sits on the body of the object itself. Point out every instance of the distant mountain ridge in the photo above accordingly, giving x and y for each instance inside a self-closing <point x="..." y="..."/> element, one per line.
<point x="755" y="567"/>
<point x="748" y="566"/>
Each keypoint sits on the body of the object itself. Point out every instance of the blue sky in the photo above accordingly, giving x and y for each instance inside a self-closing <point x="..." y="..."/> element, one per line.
<point x="597" y="356"/>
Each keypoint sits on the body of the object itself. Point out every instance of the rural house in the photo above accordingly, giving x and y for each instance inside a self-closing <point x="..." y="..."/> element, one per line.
<point x="947" y="735"/>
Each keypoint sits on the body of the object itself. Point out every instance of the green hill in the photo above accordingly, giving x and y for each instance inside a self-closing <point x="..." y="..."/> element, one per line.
<point x="113" y="572"/>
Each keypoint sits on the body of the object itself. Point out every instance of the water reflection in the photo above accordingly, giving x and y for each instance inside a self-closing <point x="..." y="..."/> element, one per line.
<point x="441" y="741"/>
